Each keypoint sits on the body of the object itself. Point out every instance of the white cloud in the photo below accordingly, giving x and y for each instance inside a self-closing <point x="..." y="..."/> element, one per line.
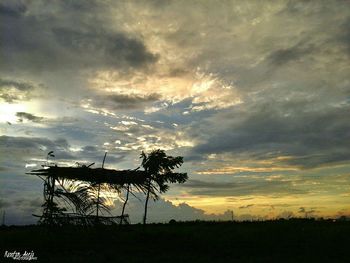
<point x="205" y="91"/>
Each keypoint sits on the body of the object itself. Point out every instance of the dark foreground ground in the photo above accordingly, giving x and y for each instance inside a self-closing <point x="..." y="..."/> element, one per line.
<point x="272" y="241"/>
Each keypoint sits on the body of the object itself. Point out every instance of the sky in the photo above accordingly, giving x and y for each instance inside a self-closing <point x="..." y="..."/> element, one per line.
<point x="255" y="95"/>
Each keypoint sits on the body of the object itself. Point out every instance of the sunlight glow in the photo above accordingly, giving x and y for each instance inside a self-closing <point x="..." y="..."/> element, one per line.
<point x="205" y="90"/>
<point x="267" y="206"/>
<point x="236" y="169"/>
<point x="8" y="111"/>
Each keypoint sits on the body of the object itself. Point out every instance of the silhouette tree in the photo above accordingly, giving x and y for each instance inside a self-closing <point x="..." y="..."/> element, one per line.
<point x="159" y="171"/>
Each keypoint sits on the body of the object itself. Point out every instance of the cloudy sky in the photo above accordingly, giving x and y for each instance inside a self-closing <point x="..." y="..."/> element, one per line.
<point x="254" y="94"/>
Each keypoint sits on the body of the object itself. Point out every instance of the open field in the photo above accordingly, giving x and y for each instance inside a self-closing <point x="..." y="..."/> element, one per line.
<point x="270" y="241"/>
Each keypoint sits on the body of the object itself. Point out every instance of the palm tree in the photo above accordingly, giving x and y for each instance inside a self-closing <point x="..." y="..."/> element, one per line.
<point x="81" y="197"/>
<point x="159" y="171"/>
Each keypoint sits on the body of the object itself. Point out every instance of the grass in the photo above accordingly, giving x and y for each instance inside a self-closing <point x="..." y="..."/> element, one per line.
<point x="294" y="240"/>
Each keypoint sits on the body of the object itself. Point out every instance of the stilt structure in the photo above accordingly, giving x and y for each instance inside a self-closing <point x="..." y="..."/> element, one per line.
<point x="55" y="192"/>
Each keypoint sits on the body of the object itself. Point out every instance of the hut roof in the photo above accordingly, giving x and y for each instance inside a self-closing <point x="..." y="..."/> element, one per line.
<point x="94" y="175"/>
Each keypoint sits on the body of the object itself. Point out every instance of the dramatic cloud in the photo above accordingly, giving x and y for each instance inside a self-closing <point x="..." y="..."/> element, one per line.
<point x="115" y="101"/>
<point x="31" y="152"/>
<point x="205" y="92"/>
<point x="310" y="138"/>
<point x="258" y="186"/>
<point x="27" y="116"/>
<point x="19" y="211"/>
<point x="26" y="149"/>
<point x="164" y="211"/>
<point x="68" y="38"/>
<point x="15" y="91"/>
<point x="283" y="56"/>
<point x="254" y="94"/>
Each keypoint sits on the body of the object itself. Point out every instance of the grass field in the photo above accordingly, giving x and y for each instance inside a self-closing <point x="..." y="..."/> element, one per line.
<point x="270" y="241"/>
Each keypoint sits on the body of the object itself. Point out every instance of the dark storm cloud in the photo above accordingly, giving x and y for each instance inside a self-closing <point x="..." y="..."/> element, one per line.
<point x="12" y="9"/>
<point x="15" y="90"/>
<point x="178" y="72"/>
<point x="283" y="56"/>
<point x="240" y="188"/>
<point x="132" y="101"/>
<point x="112" y="48"/>
<point x="90" y="154"/>
<point x="4" y="204"/>
<point x="23" y="149"/>
<point x="89" y="148"/>
<point x="27" y="116"/>
<point x="81" y="5"/>
<point x="124" y="101"/>
<point x="20" y="210"/>
<point x="66" y="38"/>
<point x="19" y="85"/>
<point x="26" y="142"/>
<point x="32" y="203"/>
<point x="344" y="35"/>
<point x="33" y="147"/>
<point x="312" y="138"/>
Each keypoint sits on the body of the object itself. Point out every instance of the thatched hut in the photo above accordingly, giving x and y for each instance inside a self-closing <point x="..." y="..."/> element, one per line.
<point x="54" y="176"/>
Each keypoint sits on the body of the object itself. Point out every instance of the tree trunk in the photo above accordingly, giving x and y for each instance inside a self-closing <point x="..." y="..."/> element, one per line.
<point x="98" y="201"/>
<point x="146" y="203"/>
<point x="124" y="205"/>
<point x="98" y="193"/>
<point x="51" y="202"/>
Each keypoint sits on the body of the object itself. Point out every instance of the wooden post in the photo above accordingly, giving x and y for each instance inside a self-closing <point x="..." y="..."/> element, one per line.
<point x="146" y="204"/>
<point x="124" y="205"/>
<point x="98" y="191"/>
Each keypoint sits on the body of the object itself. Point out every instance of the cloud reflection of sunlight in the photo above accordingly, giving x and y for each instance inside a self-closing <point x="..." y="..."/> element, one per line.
<point x="8" y="111"/>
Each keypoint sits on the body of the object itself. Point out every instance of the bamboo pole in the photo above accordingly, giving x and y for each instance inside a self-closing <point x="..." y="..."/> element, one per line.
<point x="98" y="191"/>
<point x="125" y="202"/>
